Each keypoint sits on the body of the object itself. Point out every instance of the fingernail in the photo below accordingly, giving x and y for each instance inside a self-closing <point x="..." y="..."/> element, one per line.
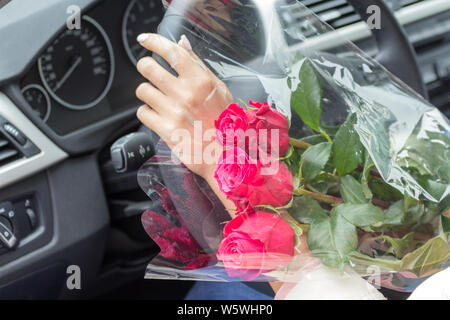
<point x="184" y="42"/>
<point x="142" y="37"/>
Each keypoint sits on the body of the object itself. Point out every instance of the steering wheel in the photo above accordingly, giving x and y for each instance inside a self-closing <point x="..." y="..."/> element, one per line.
<point x="395" y="50"/>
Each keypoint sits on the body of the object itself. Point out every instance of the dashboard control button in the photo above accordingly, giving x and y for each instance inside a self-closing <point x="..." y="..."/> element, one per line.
<point x="28" y="203"/>
<point x="7" y="237"/>
<point x="7" y="209"/>
<point x="32" y="217"/>
<point x="15" y="134"/>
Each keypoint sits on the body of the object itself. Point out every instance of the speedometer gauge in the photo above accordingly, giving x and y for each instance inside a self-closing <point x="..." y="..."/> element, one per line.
<point x="141" y="16"/>
<point x="77" y="69"/>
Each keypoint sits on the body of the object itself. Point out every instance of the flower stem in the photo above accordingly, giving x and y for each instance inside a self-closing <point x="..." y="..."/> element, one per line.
<point x="325" y="135"/>
<point x="319" y="196"/>
<point x="299" y="144"/>
<point x="289" y="154"/>
<point x="310" y="187"/>
<point x="335" y="200"/>
<point x="331" y="175"/>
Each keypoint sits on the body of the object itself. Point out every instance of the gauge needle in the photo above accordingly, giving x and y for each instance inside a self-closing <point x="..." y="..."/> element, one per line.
<point x="68" y="73"/>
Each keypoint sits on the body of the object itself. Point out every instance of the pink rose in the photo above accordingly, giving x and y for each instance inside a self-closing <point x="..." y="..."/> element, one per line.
<point x="256" y="243"/>
<point x="242" y="181"/>
<point x="232" y="123"/>
<point x="235" y="173"/>
<point x="243" y="128"/>
<point x="266" y="117"/>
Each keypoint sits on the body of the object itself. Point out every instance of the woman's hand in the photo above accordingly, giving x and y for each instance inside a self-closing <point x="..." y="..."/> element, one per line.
<point x="174" y="105"/>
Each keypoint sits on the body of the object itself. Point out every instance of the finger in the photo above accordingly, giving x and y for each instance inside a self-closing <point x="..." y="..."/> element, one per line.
<point x="152" y="97"/>
<point x="177" y="57"/>
<point x="186" y="45"/>
<point x="148" y="117"/>
<point x="157" y="75"/>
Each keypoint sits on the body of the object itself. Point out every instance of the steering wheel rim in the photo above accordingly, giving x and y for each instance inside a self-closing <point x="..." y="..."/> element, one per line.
<point x="395" y="51"/>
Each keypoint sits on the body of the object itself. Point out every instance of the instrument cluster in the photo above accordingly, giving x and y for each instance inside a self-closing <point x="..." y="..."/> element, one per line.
<point x="87" y="74"/>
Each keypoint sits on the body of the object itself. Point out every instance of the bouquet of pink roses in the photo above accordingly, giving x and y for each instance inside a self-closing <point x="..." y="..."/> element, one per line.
<point x="343" y="166"/>
<point x="249" y="174"/>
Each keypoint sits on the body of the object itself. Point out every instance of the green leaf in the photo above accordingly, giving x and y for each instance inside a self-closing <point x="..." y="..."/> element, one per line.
<point x="347" y="147"/>
<point x="326" y="184"/>
<point x="430" y="256"/>
<point x="436" y="189"/>
<point x="315" y="139"/>
<point x="305" y="210"/>
<point x="394" y="214"/>
<point x="409" y="202"/>
<point x="314" y="159"/>
<point x="351" y="190"/>
<point x="428" y="154"/>
<point x="445" y="224"/>
<point x="383" y="191"/>
<point x="400" y="247"/>
<point x="332" y="239"/>
<point x="368" y="164"/>
<point x="413" y="214"/>
<point x="360" y="215"/>
<point x="361" y="261"/>
<point x="445" y="203"/>
<point x="331" y="130"/>
<point x="306" y="99"/>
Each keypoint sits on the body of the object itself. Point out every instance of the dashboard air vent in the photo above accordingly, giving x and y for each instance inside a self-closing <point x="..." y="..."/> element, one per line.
<point x="8" y="152"/>
<point x="338" y="13"/>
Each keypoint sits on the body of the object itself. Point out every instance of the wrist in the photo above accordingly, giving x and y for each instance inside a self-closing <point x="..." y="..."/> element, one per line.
<point x="210" y="164"/>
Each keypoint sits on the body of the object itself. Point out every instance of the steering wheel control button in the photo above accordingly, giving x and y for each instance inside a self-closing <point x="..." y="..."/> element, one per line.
<point x="131" y="151"/>
<point x="117" y="159"/>
<point x="7" y="237"/>
<point x="15" y="134"/>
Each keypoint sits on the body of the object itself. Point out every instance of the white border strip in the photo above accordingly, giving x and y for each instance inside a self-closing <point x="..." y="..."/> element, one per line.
<point x="50" y="153"/>
<point x="360" y="30"/>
